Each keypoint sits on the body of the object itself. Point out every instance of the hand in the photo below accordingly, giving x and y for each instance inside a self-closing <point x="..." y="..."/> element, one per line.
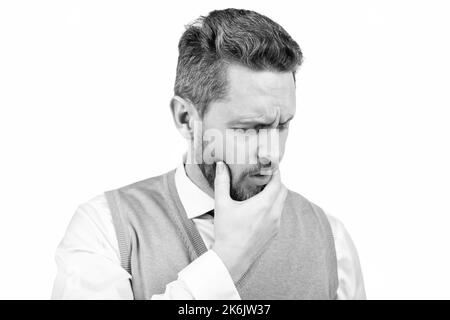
<point x="244" y="228"/>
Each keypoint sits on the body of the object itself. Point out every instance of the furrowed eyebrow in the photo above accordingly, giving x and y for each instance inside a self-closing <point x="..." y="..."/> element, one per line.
<point x="257" y="121"/>
<point x="246" y="121"/>
<point x="289" y="118"/>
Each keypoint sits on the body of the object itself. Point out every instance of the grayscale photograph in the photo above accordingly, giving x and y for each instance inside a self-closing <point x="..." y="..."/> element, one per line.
<point x="225" y="151"/>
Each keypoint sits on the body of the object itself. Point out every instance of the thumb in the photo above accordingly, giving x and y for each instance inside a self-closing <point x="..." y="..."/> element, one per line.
<point x="221" y="182"/>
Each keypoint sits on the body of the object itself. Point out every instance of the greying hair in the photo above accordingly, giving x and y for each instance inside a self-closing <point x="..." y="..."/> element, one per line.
<point x="228" y="36"/>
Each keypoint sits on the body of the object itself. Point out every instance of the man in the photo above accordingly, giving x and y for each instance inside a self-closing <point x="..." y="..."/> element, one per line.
<point x="217" y="227"/>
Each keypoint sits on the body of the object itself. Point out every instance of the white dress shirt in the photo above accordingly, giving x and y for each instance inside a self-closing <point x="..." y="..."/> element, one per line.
<point x="89" y="267"/>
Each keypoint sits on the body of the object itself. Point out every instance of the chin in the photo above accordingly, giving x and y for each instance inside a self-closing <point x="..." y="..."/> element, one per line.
<point x="239" y="193"/>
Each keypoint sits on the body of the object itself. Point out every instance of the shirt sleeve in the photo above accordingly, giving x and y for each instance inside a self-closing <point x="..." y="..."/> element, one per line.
<point x="351" y="283"/>
<point x="88" y="262"/>
<point x="206" y="278"/>
<point x="87" y="258"/>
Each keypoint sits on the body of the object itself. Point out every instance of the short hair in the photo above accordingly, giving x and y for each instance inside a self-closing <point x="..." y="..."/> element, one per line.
<point x="227" y="36"/>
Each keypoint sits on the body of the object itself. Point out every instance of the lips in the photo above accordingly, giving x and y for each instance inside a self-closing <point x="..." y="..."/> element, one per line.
<point x="266" y="172"/>
<point x="263" y="172"/>
<point x="259" y="179"/>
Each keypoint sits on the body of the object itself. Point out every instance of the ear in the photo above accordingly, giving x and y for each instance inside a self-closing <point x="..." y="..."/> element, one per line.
<point x="184" y="115"/>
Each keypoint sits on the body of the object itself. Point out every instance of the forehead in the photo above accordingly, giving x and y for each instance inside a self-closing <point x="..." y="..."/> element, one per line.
<point x="257" y="93"/>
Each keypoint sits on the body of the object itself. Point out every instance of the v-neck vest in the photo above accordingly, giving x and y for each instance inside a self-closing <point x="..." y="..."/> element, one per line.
<point x="157" y="240"/>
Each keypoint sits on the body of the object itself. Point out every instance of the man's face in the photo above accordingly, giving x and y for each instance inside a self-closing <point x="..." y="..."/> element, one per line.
<point x="256" y="111"/>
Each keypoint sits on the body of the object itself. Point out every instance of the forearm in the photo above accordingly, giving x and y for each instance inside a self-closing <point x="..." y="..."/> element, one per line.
<point x="206" y="278"/>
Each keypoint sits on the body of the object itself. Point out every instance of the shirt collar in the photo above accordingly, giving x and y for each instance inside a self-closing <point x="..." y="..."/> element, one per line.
<point x="194" y="200"/>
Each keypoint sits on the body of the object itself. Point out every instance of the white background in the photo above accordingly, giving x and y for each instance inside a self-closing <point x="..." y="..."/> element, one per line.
<point x="84" y="98"/>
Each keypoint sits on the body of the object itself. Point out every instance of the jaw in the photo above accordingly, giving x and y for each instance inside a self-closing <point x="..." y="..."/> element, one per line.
<point x="196" y="175"/>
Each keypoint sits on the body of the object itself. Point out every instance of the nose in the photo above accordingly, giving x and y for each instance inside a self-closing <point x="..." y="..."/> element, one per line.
<point x="268" y="148"/>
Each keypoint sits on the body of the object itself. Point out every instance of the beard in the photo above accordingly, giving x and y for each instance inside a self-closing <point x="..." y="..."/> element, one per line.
<point x="238" y="191"/>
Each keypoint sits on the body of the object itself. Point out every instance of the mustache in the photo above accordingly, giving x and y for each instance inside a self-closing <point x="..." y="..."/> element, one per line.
<point x="259" y="169"/>
<point x="248" y="171"/>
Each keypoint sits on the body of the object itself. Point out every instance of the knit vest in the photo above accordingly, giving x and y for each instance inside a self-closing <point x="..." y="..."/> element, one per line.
<point x="157" y="240"/>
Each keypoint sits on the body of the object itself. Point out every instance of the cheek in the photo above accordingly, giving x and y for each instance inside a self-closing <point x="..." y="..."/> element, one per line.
<point x="237" y="171"/>
<point x="213" y="145"/>
<point x="241" y="149"/>
<point x="282" y="141"/>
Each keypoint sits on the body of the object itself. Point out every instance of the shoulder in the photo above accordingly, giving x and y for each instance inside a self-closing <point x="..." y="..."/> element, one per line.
<point x="338" y="228"/>
<point x="91" y="229"/>
<point x="301" y="203"/>
<point x="153" y="184"/>
<point x="95" y="211"/>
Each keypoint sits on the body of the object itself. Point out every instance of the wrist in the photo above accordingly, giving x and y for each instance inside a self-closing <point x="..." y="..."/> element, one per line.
<point x="234" y="265"/>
